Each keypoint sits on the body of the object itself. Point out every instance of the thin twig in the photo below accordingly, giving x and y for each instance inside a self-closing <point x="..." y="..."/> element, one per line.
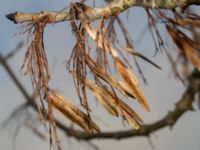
<point x="110" y="9"/>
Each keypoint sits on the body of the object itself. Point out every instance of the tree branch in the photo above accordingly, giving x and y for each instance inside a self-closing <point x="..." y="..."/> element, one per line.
<point x="111" y="9"/>
<point x="14" y="78"/>
<point x="182" y="106"/>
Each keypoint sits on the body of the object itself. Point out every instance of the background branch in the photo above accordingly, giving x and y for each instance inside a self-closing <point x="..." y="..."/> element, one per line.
<point x="182" y="106"/>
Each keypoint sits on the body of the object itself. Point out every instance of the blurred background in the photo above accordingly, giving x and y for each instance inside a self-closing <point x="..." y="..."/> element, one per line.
<point x="162" y="90"/>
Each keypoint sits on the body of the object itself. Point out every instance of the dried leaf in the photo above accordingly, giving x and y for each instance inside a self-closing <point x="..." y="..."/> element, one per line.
<point x="134" y="53"/>
<point x="131" y="112"/>
<point x="131" y="81"/>
<point x="102" y="97"/>
<point x="73" y="113"/>
<point x="183" y="44"/>
<point x="131" y="121"/>
<point x="101" y="73"/>
<point x="189" y="21"/>
<point x="114" y="105"/>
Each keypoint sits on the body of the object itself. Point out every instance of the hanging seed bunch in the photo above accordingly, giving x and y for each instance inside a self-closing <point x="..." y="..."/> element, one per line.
<point x="182" y="27"/>
<point x="104" y="86"/>
<point x="96" y="53"/>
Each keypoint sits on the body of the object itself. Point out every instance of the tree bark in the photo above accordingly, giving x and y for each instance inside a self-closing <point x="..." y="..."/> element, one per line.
<point x="111" y="9"/>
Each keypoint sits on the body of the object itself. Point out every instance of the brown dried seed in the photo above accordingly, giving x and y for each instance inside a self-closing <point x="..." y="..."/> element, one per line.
<point x="131" y="81"/>
<point x="73" y="113"/>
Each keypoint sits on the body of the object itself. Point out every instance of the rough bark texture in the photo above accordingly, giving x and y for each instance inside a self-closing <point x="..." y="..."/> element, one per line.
<point x="111" y="9"/>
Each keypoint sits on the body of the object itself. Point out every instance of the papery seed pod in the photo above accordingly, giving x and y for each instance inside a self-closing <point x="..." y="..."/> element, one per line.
<point x="131" y="81"/>
<point x="73" y="113"/>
